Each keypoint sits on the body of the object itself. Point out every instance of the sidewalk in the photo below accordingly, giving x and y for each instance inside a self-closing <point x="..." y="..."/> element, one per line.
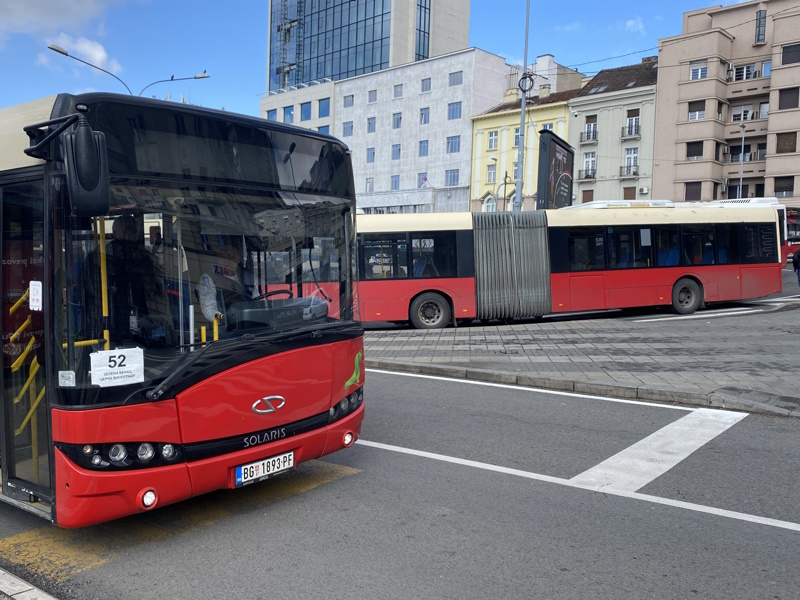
<point x="17" y="589"/>
<point x="744" y="361"/>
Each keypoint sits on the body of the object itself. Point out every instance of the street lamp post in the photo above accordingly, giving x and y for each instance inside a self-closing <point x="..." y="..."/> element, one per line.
<point x="60" y="50"/>
<point x="741" y="162"/>
<point x="63" y="52"/>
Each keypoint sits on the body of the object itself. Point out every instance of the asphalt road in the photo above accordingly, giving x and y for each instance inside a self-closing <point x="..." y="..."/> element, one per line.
<point x="467" y="490"/>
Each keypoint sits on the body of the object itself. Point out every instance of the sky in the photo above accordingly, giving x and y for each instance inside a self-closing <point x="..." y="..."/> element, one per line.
<point x="146" y="41"/>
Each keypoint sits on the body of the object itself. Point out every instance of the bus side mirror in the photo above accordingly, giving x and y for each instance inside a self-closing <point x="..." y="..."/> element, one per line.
<point x="86" y="164"/>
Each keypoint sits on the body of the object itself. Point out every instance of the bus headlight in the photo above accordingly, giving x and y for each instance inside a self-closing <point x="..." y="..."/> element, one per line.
<point x="145" y="452"/>
<point x="117" y="453"/>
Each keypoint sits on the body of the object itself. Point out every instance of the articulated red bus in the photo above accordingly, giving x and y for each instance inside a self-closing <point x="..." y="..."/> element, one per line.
<point x="178" y="308"/>
<point x="793" y="229"/>
<point x="436" y="268"/>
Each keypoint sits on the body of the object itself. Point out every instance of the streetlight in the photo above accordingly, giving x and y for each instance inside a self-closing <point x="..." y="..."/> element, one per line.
<point x="202" y="75"/>
<point x="741" y="162"/>
<point x="503" y="183"/>
<point x="60" y="50"/>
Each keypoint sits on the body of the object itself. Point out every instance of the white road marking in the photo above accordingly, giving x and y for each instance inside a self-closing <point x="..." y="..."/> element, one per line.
<point x="728" y="514"/>
<point x="536" y="390"/>
<point x="638" y="465"/>
<point x="703" y="315"/>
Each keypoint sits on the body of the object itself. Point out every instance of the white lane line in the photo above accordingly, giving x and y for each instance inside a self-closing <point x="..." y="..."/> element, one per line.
<point x="647" y="459"/>
<point x="704" y="315"/>
<point x="728" y="514"/>
<point x="519" y="388"/>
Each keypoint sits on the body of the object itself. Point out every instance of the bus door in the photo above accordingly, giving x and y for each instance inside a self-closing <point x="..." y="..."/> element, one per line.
<point x="25" y="456"/>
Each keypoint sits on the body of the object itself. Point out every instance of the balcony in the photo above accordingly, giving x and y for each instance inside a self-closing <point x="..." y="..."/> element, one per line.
<point x="631" y="132"/>
<point x="626" y="171"/>
<point x="749" y="157"/>
<point x="589" y="137"/>
<point x="587" y="174"/>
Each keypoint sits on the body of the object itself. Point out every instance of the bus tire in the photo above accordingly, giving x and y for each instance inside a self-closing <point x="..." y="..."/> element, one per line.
<point x="686" y="296"/>
<point x="430" y="311"/>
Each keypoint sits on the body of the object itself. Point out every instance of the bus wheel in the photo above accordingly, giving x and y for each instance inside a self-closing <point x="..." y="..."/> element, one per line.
<point x="430" y="311"/>
<point x="686" y="296"/>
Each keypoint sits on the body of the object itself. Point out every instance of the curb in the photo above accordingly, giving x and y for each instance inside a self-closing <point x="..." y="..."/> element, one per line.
<point x="14" y="588"/>
<point x="717" y="399"/>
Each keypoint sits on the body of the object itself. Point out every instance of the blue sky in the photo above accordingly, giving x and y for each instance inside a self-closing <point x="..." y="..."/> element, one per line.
<point x="142" y="41"/>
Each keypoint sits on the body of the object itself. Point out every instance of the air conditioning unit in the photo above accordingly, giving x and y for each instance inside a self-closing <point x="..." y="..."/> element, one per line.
<point x="725" y="182"/>
<point x="725" y="150"/>
<point x="644" y="190"/>
<point x="731" y="74"/>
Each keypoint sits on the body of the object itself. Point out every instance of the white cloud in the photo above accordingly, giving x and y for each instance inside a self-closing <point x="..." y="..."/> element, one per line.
<point x="635" y="25"/>
<point x="42" y="17"/>
<point x="89" y="50"/>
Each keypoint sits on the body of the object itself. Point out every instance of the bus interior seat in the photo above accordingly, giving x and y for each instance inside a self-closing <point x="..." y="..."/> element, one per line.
<point x="624" y="262"/>
<point x="708" y="256"/>
<point x="673" y="258"/>
<point x="723" y="256"/>
<point x="419" y="267"/>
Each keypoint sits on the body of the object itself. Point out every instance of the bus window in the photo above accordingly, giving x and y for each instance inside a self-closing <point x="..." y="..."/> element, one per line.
<point x="727" y="248"/>
<point x="385" y="256"/>
<point x="668" y="245"/>
<point x="586" y="249"/>
<point x="758" y="243"/>
<point x="433" y="254"/>
<point x="698" y="244"/>
<point x="629" y="247"/>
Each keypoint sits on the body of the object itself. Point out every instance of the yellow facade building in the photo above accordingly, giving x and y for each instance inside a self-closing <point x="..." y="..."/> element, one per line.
<point x="495" y="147"/>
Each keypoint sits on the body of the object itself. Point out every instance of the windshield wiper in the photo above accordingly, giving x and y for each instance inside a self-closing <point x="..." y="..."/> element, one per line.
<point x="247" y="339"/>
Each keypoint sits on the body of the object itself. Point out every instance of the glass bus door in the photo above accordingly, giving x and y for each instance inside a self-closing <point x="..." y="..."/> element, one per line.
<point x="25" y="432"/>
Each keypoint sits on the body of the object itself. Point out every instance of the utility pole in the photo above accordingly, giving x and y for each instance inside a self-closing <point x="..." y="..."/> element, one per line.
<point x="525" y="83"/>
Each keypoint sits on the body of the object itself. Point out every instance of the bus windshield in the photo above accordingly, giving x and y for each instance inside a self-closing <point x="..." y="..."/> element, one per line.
<point x="249" y="247"/>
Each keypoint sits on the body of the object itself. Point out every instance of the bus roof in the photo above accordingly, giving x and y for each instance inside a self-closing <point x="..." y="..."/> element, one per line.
<point x="413" y="222"/>
<point x="13" y="140"/>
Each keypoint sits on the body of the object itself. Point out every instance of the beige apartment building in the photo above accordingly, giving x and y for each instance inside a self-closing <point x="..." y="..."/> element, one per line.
<point x="728" y="110"/>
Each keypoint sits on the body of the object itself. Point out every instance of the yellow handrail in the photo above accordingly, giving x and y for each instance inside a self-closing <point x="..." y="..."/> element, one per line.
<point x="30" y="413"/>
<point x="15" y="336"/>
<point x="19" y="302"/>
<point x="83" y="343"/>
<point x="18" y="363"/>
<point x="32" y="374"/>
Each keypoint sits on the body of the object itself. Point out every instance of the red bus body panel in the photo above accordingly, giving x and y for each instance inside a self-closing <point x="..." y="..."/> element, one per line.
<point x="628" y="288"/>
<point x="390" y="299"/>
<point x="310" y="379"/>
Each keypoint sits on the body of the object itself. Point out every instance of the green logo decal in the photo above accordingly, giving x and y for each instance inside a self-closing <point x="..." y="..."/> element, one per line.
<point x="356" y="376"/>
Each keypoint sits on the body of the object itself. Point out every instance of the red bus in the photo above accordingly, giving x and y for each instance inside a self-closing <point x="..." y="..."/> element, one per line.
<point x="178" y="308"/>
<point x="438" y="268"/>
<point x="793" y="229"/>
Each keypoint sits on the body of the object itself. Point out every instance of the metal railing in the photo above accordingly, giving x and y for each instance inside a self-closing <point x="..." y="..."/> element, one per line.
<point x="629" y="171"/>
<point x="631" y="131"/>
<point x="588" y="136"/>
<point x="587" y="174"/>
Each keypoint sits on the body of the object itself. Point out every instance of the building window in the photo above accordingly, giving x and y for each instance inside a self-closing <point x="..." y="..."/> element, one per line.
<point x="699" y="69"/>
<point x="451" y="177"/>
<point x="761" y="26"/>
<point x="370" y="124"/>
<point x="766" y="68"/>
<point x="398" y="90"/>
<point x="348" y="101"/>
<point x="395" y="151"/>
<point x="370" y="185"/>
<point x="424" y="115"/>
<point x="589" y="165"/>
<point x="694" y="151"/>
<point x="492" y="140"/>
<point x="305" y="111"/>
<point x="347" y="129"/>
<point x="742" y="113"/>
<point x="632" y="122"/>
<point x="632" y="161"/>
<point x="453" y="144"/>
<point x="272" y="114"/>
<point x="372" y="96"/>
<point x="590" y="132"/>
<point x="784" y="186"/>
<point x="743" y="72"/>
<point x="453" y="111"/>
<point x="790" y="54"/>
<point x="693" y="190"/>
<point x="547" y="127"/>
<point x="491" y="174"/>
<point x="288" y="114"/>
<point x="456" y="78"/>
<point x="697" y="110"/>
<point x="763" y="110"/>
<point x="587" y="196"/>
<point x="397" y="120"/>
<point x="787" y="142"/>
<point x="324" y="129"/>
<point x="370" y="155"/>
<point x="516" y="137"/>
<point x="425" y="85"/>
<point x="788" y="98"/>
<point x="422" y="179"/>
<point x="324" y="108"/>
<point x="395" y="183"/>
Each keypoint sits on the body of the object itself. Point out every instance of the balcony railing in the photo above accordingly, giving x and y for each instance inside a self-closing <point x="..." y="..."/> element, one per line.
<point x="749" y="156"/>
<point x="587" y="174"/>
<point x="629" y="171"/>
<point x="630" y="131"/>
<point x="588" y="136"/>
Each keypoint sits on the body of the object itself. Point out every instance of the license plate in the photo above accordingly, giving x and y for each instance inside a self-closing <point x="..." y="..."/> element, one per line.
<point x="264" y="468"/>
